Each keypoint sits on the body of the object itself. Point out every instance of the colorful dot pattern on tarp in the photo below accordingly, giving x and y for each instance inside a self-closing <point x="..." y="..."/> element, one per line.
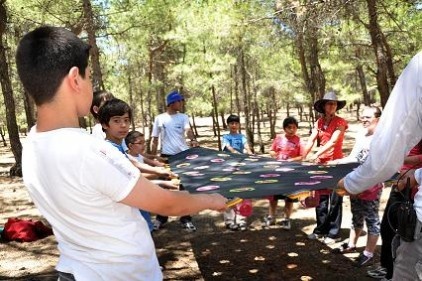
<point x="204" y="170"/>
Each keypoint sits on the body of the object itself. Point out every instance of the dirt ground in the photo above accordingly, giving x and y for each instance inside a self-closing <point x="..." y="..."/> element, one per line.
<point x="211" y="253"/>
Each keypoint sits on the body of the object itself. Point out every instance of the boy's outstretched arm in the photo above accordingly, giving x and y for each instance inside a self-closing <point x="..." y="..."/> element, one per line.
<point x="248" y="149"/>
<point x="147" y="196"/>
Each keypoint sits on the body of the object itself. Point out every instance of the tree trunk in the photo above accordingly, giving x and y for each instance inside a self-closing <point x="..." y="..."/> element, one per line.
<point x="131" y="103"/>
<point x="270" y="119"/>
<point x="317" y="75"/>
<point x="306" y="42"/>
<point x="28" y="103"/>
<point x="247" y="101"/>
<point x="90" y="27"/>
<point x="9" y="101"/>
<point x="299" y="41"/>
<point x="384" y="85"/>
<point x="389" y="61"/>
<point x="29" y="110"/>
<point x="300" y="111"/>
<point x="262" y="118"/>
<point x="236" y="90"/>
<point x="288" y="108"/>
<point x="362" y="82"/>
<point x="149" y="99"/>
<point x="223" y="121"/>
<point x="144" y="120"/>
<point x="215" y="115"/>
<point x="233" y="74"/>
<point x="214" y="129"/>
<point x="272" y="113"/>
<point x="257" y="113"/>
<point x="193" y="126"/>
<point x="3" y="134"/>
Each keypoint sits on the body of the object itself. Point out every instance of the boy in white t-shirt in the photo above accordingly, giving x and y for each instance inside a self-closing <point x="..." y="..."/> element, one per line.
<point x="88" y="191"/>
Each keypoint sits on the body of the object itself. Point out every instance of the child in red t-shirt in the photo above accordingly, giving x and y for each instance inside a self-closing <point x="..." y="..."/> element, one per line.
<point x="285" y="147"/>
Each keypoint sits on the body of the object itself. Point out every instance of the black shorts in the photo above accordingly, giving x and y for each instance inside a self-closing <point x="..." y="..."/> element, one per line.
<point x="277" y="197"/>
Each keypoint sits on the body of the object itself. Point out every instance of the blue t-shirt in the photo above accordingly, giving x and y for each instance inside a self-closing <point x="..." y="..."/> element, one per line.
<point x="237" y="141"/>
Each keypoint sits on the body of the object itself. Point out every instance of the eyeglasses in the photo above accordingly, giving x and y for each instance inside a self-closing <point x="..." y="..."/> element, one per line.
<point x="137" y="142"/>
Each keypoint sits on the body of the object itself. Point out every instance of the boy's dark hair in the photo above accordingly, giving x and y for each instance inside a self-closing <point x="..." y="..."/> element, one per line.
<point x="132" y="136"/>
<point x="233" y="118"/>
<point x="290" y="120"/>
<point x="98" y="98"/>
<point x="45" y="56"/>
<point x="111" y="108"/>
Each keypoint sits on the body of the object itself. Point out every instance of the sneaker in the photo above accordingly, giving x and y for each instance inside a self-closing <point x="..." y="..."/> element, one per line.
<point x="330" y="240"/>
<point x="243" y="226"/>
<point x="285" y="224"/>
<point x="268" y="221"/>
<point x="377" y="273"/>
<point x="314" y="236"/>
<point x="189" y="226"/>
<point x="157" y="225"/>
<point x="363" y="260"/>
<point x="344" y="249"/>
<point x="232" y="226"/>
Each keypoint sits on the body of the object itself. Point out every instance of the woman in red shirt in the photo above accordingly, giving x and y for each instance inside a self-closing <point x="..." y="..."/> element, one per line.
<point x="329" y="134"/>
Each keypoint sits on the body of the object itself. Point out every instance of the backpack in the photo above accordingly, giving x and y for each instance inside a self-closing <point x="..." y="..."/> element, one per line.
<point x="25" y="230"/>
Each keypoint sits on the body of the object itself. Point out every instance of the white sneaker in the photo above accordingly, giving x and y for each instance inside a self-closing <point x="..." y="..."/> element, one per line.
<point x="329" y="240"/>
<point x="243" y="226"/>
<point x="189" y="226"/>
<point x="285" y="224"/>
<point x="378" y="273"/>
<point x="268" y="221"/>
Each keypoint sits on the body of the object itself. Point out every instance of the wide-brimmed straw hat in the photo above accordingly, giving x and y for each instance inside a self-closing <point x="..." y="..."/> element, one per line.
<point x="330" y="96"/>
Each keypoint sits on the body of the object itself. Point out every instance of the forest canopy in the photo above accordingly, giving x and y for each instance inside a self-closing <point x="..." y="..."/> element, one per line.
<point x="245" y="57"/>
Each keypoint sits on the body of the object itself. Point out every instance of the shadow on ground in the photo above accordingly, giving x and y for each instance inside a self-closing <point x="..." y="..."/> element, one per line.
<point x="214" y="253"/>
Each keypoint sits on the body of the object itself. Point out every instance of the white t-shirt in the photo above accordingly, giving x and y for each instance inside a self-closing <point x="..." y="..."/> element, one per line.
<point x="97" y="131"/>
<point x="139" y="158"/>
<point x="77" y="181"/>
<point x="360" y="150"/>
<point x="171" y="129"/>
